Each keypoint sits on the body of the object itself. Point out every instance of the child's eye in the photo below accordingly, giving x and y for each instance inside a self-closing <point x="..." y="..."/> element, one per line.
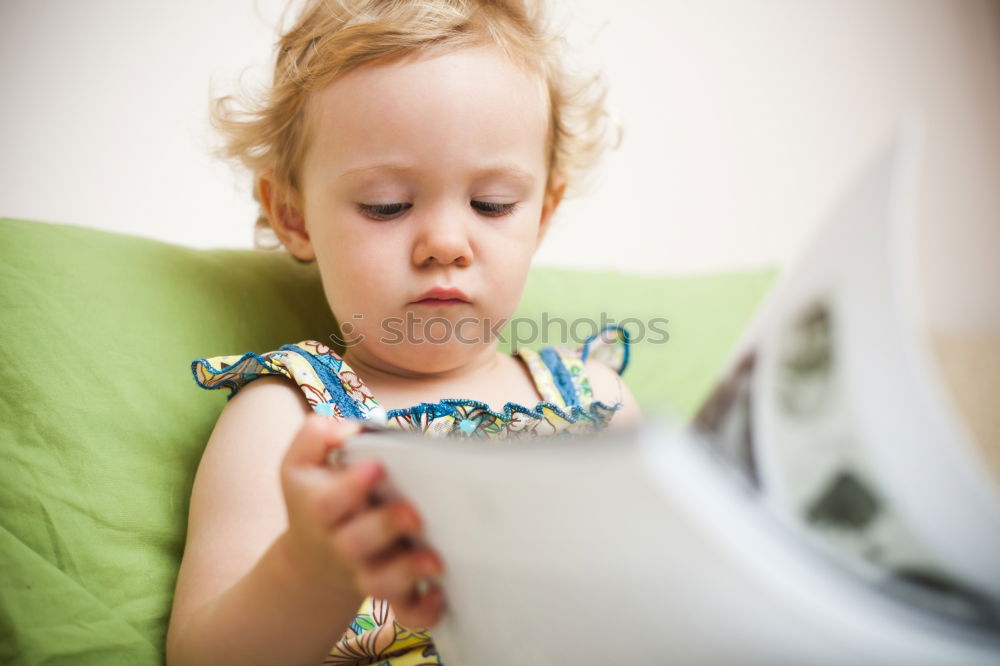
<point x="494" y="209"/>
<point x="384" y="211"/>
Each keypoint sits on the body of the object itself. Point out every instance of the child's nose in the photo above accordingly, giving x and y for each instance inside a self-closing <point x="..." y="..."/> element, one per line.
<point x="443" y="238"/>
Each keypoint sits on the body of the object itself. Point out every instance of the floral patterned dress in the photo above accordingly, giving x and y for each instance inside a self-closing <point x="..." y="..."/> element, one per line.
<point x="332" y="388"/>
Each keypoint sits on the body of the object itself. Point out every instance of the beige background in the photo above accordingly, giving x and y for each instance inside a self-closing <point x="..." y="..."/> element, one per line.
<point x="744" y="119"/>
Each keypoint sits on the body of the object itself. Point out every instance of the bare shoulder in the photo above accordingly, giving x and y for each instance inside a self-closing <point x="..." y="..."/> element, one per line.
<point x="609" y="388"/>
<point x="263" y="408"/>
<point x="237" y="508"/>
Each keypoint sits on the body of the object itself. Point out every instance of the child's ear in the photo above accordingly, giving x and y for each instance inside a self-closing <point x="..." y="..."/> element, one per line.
<point x="553" y="195"/>
<point x="284" y="212"/>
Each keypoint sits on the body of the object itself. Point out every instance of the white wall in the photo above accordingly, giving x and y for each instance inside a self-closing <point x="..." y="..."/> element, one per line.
<point x="743" y="120"/>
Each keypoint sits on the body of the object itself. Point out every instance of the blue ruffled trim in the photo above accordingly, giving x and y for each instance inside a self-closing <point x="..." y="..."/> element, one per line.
<point x="327" y="371"/>
<point x="446" y="408"/>
<point x="626" y="339"/>
<point x="561" y="376"/>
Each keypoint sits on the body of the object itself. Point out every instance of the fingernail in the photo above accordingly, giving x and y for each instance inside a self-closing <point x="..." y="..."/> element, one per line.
<point x="424" y="585"/>
<point x="335" y="457"/>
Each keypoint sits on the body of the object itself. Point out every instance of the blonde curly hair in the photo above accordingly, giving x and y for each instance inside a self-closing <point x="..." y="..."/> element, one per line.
<point x="268" y="131"/>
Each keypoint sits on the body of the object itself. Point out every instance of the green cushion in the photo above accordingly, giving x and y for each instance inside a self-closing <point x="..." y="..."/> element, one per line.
<point x="102" y="425"/>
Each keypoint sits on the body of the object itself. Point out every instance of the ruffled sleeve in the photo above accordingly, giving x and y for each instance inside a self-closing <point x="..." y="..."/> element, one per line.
<point x="233" y="372"/>
<point x="561" y="376"/>
<point x="609" y="346"/>
<point x="329" y="385"/>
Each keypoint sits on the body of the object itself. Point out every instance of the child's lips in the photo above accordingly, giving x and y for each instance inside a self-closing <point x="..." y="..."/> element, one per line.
<point x="442" y="296"/>
<point x="441" y="301"/>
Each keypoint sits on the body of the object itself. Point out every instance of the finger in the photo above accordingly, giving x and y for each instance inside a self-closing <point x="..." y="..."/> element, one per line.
<point x="396" y="580"/>
<point x="347" y="491"/>
<point x="370" y="533"/>
<point x="422" y="611"/>
<point x="316" y="437"/>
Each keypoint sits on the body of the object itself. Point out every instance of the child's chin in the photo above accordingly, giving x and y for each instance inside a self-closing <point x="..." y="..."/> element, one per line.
<point x="434" y="358"/>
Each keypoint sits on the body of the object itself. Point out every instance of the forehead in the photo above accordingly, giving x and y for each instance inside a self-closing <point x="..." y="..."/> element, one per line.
<point x="469" y="108"/>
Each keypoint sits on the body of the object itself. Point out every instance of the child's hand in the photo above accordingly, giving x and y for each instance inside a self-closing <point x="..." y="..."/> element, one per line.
<point x="337" y="533"/>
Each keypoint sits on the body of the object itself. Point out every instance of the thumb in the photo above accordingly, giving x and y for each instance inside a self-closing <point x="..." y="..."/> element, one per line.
<point x="317" y="436"/>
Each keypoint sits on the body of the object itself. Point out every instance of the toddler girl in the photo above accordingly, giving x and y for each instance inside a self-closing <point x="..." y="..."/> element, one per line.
<point x="416" y="150"/>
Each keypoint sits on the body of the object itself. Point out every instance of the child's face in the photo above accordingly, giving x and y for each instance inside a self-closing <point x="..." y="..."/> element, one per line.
<point x="423" y="173"/>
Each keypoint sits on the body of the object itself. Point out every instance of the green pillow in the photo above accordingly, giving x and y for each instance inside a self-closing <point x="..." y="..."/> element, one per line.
<point x="102" y="425"/>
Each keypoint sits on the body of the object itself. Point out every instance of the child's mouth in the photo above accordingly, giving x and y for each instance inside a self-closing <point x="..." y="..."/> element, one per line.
<point x="442" y="295"/>
<point x="441" y="301"/>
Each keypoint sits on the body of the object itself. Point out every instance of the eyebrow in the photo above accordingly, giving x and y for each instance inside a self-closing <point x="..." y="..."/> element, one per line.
<point x="503" y="170"/>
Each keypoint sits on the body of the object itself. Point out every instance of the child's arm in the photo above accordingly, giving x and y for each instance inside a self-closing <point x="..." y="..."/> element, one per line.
<point x="281" y="548"/>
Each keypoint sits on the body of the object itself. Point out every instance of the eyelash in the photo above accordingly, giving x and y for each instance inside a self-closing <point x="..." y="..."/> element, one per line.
<point x="384" y="211"/>
<point x="493" y="209"/>
<point x="392" y="211"/>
